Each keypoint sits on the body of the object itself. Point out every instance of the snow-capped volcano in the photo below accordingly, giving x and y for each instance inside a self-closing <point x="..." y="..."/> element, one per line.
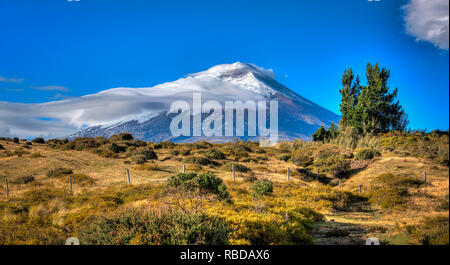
<point x="144" y="112"/>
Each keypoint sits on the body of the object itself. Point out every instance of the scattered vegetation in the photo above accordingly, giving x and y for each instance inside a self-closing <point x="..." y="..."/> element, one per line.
<point x="261" y="188"/>
<point x="131" y="226"/>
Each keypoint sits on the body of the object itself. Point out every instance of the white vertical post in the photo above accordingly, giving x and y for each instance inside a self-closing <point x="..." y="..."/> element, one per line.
<point x="234" y="175"/>
<point x="288" y="174"/>
<point x="70" y="183"/>
<point x="425" y="176"/>
<point x="128" y="176"/>
<point x="7" y="188"/>
<point x="339" y="184"/>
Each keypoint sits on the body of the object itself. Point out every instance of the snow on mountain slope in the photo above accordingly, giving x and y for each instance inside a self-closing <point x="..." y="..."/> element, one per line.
<point x="143" y="111"/>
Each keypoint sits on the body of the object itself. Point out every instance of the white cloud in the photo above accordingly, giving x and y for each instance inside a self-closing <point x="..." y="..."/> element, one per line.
<point x="10" y="80"/>
<point x="52" y="88"/>
<point x="428" y="20"/>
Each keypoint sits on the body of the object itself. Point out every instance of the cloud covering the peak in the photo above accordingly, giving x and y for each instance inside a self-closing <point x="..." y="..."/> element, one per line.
<point x="62" y="118"/>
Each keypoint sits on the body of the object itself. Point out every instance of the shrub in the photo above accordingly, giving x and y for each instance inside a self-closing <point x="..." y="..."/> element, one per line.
<point x="215" y="154"/>
<point x="433" y="231"/>
<point x="115" y="148"/>
<point x="237" y="167"/>
<point x="23" y="180"/>
<point x="121" y="137"/>
<point x="261" y="187"/>
<point x="81" y="144"/>
<point x="203" y="183"/>
<point x="58" y="172"/>
<point x="150" y="167"/>
<point x="147" y="153"/>
<point x="366" y="154"/>
<point x="57" y="142"/>
<point x="201" y="160"/>
<point x="326" y="151"/>
<point x="144" y="227"/>
<point x="301" y="158"/>
<point x="139" y="159"/>
<point x="250" y="178"/>
<point x="82" y="179"/>
<point x="334" y="165"/>
<point x="307" y="175"/>
<point x="185" y="152"/>
<point x="391" y="190"/>
<point x="35" y="155"/>
<point x="238" y="151"/>
<point x="1" y="147"/>
<point x="167" y="144"/>
<point x="284" y="158"/>
<point x="38" y="140"/>
<point x="388" y="197"/>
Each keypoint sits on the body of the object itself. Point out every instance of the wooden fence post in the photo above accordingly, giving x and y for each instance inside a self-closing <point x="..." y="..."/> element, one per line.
<point x="425" y="176"/>
<point x="360" y="188"/>
<point x="184" y="168"/>
<point x="234" y="174"/>
<point x="70" y="183"/>
<point x="339" y="184"/>
<point x="288" y="174"/>
<point x="128" y="176"/>
<point x="7" y="188"/>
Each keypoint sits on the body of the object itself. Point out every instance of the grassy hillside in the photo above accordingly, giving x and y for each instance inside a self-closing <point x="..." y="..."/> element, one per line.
<point x="320" y="204"/>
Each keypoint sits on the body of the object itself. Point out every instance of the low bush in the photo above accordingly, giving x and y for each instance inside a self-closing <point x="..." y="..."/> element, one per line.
<point x="58" y="172"/>
<point x="203" y="183"/>
<point x="301" y="158"/>
<point x="82" y="179"/>
<point x="38" y="140"/>
<point x="201" y="160"/>
<point x="237" y="167"/>
<point x="337" y="166"/>
<point x="121" y="137"/>
<point x="149" y="154"/>
<point x="115" y="148"/>
<point x="261" y="187"/>
<point x="81" y="144"/>
<point x="23" y="180"/>
<point x="139" y="159"/>
<point x="390" y="190"/>
<point x="215" y="154"/>
<point x="307" y="175"/>
<point x="366" y="154"/>
<point x="150" y="227"/>
<point x="185" y="152"/>
<point x="434" y="230"/>
<point x="284" y="157"/>
<point x="35" y="155"/>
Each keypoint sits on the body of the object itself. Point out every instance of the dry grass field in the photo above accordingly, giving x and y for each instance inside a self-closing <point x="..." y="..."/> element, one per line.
<point x="320" y="204"/>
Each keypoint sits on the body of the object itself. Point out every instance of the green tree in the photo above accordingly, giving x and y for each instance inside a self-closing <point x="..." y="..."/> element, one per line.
<point x="332" y="131"/>
<point x="349" y="92"/>
<point x="320" y="135"/>
<point x="371" y="108"/>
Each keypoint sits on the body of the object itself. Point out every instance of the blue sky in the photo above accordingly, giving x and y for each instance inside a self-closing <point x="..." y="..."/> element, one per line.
<point x="51" y="50"/>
